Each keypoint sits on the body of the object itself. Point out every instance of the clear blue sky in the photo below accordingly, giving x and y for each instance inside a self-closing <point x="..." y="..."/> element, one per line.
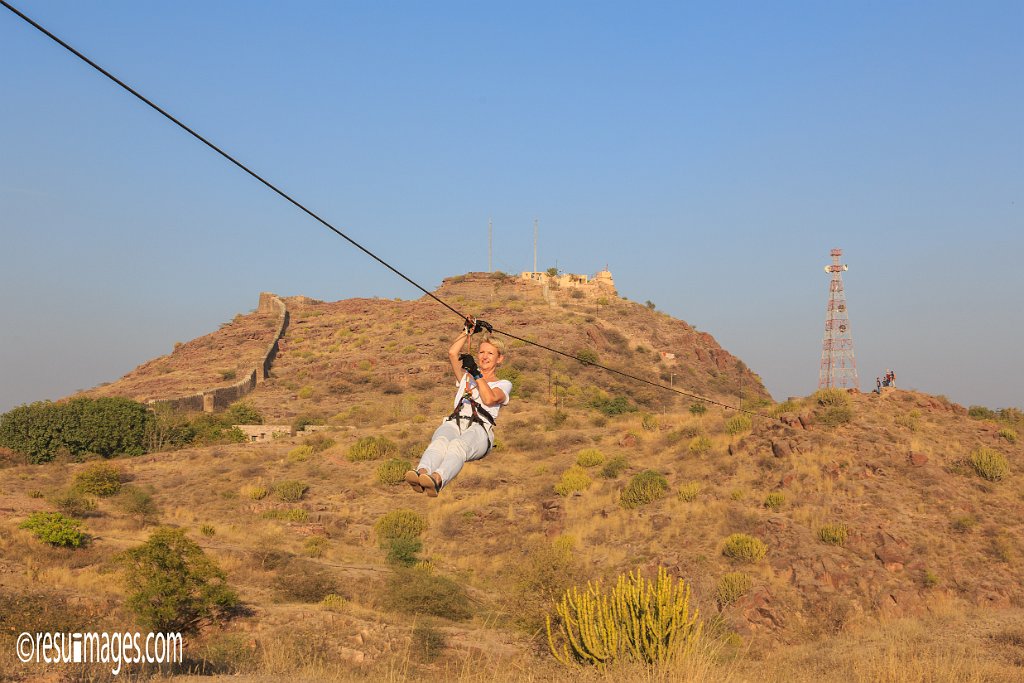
<point x="710" y="153"/>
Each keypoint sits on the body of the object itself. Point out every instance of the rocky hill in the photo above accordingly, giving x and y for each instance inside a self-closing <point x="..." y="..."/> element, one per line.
<point x="893" y="541"/>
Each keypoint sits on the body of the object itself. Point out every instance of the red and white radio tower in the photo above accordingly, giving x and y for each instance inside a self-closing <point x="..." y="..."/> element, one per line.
<point x="838" y="367"/>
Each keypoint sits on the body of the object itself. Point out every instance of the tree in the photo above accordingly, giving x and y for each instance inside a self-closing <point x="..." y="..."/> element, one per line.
<point x="173" y="585"/>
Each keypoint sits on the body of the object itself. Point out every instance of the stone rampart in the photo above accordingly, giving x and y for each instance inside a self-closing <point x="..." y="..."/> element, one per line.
<point x="221" y="397"/>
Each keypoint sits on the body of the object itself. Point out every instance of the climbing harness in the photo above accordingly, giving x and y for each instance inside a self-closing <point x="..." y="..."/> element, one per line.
<point x="478" y="416"/>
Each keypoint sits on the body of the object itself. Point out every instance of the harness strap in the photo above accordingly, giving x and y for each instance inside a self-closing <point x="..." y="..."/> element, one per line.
<point x="479" y="416"/>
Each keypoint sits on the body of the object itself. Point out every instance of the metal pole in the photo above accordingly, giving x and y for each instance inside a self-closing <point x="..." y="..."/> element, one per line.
<point x="535" y="245"/>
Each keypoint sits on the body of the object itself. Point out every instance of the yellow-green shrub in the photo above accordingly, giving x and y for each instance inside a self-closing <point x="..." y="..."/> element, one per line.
<point x="831" y="397"/>
<point x="645" y="621"/>
<point x="699" y="444"/>
<point x="989" y="464"/>
<point x="645" y="487"/>
<point x="99" y="479"/>
<point x="573" y="479"/>
<point x="392" y="471"/>
<point x="744" y="548"/>
<point x="736" y="424"/>
<point x="286" y="515"/>
<point x="689" y="492"/>
<point x="290" y="491"/>
<point x="774" y="500"/>
<point x="255" y="491"/>
<point x="401" y="523"/>
<point x="371" y="448"/>
<point x="1008" y="434"/>
<point x="731" y="587"/>
<point x="300" y="453"/>
<point x="833" y="534"/>
<point x="590" y="457"/>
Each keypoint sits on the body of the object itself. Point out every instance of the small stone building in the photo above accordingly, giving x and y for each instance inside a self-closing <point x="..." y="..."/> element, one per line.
<point x="260" y="433"/>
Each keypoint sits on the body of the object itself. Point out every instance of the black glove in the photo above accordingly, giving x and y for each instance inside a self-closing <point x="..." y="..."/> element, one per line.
<point x="469" y="365"/>
<point x="482" y="325"/>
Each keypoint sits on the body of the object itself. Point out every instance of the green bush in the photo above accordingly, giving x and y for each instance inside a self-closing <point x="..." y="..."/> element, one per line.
<point x="172" y="584"/>
<point x="304" y="420"/>
<point x="401" y="523"/>
<point x="573" y="479"/>
<point x="589" y="457"/>
<point x="831" y="397"/>
<point x="290" y="491"/>
<point x="731" y="587"/>
<point x="611" y="406"/>
<point x="55" y="529"/>
<point x="774" y="500"/>
<point x="297" y="515"/>
<point x="989" y="464"/>
<point x="214" y="429"/>
<point x="744" y="548"/>
<point x="649" y="422"/>
<point x="586" y="356"/>
<point x="512" y="374"/>
<point x="392" y="471"/>
<point x="99" y="479"/>
<point x="614" y="467"/>
<point x="428" y="642"/>
<point x="833" y="534"/>
<point x="833" y="416"/>
<point x="698" y="409"/>
<point x="1008" y="434"/>
<point x="318" y="443"/>
<point x="981" y="413"/>
<point x="689" y="492"/>
<point x="403" y="551"/>
<point x="104" y="426"/>
<point x="314" y="546"/>
<point x="243" y="413"/>
<point x="736" y="424"/>
<point x="74" y="503"/>
<point x="699" y="444"/>
<point x="372" y="448"/>
<point x="255" y="491"/>
<point x="965" y="524"/>
<point x="645" y="487"/>
<point x="300" y="454"/>
<point x="138" y="504"/>
<point x="416" y="591"/>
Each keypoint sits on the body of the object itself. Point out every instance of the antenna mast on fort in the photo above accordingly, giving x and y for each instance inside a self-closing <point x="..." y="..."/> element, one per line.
<point x="838" y="367"/>
<point x="535" y="245"/>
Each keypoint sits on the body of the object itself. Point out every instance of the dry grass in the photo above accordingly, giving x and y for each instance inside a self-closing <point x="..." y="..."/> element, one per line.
<point x="478" y="531"/>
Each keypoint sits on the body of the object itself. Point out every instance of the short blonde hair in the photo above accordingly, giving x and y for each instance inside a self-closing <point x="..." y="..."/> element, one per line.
<point x="493" y="341"/>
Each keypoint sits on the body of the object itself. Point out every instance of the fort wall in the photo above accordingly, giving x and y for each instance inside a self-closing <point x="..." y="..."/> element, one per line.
<point x="211" y="400"/>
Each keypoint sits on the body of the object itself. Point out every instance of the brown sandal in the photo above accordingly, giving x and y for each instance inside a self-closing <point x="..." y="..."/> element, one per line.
<point x="430" y="485"/>
<point x="412" y="478"/>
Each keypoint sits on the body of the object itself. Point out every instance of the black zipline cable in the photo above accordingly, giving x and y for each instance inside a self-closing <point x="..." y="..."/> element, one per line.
<point x="227" y="156"/>
<point x="333" y="229"/>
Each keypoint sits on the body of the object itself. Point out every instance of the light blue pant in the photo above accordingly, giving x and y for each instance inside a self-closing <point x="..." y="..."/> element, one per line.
<point x="453" y="445"/>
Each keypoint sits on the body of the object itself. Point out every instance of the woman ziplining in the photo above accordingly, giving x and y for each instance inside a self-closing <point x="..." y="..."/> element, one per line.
<point x="468" y="433"/>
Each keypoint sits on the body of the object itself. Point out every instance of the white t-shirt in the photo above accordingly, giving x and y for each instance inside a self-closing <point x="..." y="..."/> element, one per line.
<point x="467" y="383"/>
